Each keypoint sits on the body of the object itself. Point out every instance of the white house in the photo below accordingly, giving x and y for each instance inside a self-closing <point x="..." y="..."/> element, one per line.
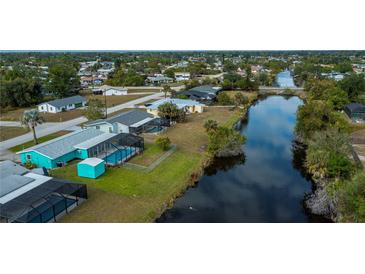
<point x="115" y="91"/>
<point x="133" y="121"/>
<point x="189" y="106"/>
<point x="63" y="104"/>
<point x="182" y="76"/>
<point x="109" y="90"/>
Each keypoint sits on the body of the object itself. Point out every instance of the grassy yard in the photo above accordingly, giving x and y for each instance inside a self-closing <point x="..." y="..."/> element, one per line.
<point x="11" y="132"/>
<point x="151" y="153"/>
<point x="128" y="195"/>
<point x="143" y="90"/>
<point x="40" y="140"/>
<point x="112" y="101"/>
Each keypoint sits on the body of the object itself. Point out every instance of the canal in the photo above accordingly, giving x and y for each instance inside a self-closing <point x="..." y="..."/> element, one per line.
<point x="268" y="184"/>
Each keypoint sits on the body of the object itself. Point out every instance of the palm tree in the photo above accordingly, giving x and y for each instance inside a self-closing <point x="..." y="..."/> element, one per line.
<point x="166" y="89"/>
<point x="211" y="125"/>
<point x="31" y="119"/>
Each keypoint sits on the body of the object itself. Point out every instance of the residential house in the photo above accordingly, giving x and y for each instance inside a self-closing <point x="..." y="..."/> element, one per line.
<point x="355" y="111"/>
<point x="83" y="144"/>
<point x="206" y="94"/>
<point x="134" y="121"/>
<point x="189" y="106"/>
<point x="158" y="79"/>
<point x="182" y="76"/>
<point x="109" y="90"/>
<point x="63" y="104"/>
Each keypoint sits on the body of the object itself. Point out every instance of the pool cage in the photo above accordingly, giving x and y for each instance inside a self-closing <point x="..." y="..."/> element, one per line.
<point x="123" y="147"/>
<point x="44" y="203"/>
<point x="155" y="125"/>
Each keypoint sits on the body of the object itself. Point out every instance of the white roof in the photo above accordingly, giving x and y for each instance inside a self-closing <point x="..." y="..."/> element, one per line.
<point x="94" y="141"/>
<point x="37" y="180"/>
<point x="181" y="103"/>
<point x="142" y="122"/>
<point x="92" y="161"/>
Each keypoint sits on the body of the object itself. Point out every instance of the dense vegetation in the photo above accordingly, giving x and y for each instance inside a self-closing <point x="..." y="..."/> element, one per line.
<point x="325" y="131"/>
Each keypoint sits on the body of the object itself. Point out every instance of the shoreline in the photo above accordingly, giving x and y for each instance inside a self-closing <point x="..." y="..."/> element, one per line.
<point x="207" y="160"/>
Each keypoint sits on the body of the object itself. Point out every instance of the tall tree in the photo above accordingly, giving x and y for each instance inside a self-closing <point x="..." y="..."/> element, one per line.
<point x="30" y="119"/>
<point x="166" y="89"/>
<point x="63" y="80"/>
<point x="95" y="109"/>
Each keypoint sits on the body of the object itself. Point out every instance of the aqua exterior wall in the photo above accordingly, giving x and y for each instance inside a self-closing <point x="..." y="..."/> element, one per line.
<point x="42" y="161"/>
<point x="37" y="159"/>
<point x="85" y="170"/>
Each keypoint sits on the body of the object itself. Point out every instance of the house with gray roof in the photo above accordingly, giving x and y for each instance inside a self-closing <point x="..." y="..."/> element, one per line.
<point x="204" y="93"/>
<point x="63" y="104"/>
<point x="355" y="111"/>
<point x="158" y="79"/>
<point x="134" y="121"/>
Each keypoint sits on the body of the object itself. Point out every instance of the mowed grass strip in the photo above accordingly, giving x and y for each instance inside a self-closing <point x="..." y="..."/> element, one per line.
<point x="11" y="132"/>
<point x="40" y="140"/>
<point x="151" y="153"/>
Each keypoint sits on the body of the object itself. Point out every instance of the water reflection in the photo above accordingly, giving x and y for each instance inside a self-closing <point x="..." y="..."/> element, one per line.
<point x="268" y="185"/>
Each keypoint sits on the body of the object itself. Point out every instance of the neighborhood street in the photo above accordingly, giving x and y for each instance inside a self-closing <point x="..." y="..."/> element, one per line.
<point x="49" y="128"/>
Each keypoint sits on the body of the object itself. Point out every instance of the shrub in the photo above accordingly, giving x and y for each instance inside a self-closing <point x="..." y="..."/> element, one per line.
<point x="163" y="142"/>
<point x="223" y="99"/>
<point x="225" y="140"/>
<point x="352" y="198"/>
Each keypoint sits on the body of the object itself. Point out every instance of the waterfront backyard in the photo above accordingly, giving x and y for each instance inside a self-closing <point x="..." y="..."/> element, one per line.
<point x="124" y="194"/>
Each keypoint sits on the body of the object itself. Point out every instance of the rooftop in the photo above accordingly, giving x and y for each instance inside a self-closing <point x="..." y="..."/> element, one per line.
<point x="92" y="161"/>
<point x="64" y="144"/>
<point x="181" y="103"/>
<point x="66" y="101"/>
<point x="206" y="89"/>
<point x="126" y="118"/>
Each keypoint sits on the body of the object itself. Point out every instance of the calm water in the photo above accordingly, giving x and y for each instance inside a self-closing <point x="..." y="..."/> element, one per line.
<point x="266" y="185"/>
<point x="284" y="79"/>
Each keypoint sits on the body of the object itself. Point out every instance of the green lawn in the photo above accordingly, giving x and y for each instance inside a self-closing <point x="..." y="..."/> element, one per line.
<point x="40" y="140"/>
<point x="147" y="193"/>
<point x="150" y="154"/>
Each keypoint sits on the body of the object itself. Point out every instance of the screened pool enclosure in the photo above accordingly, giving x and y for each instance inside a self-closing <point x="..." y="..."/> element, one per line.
<point x="44" y="203"/>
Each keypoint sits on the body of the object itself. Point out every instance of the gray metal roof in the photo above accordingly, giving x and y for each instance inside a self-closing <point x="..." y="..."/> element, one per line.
<point x="66" y="101"/>
<point x="206" y="89"/>
<point x="126" y="118"/>
<point x="12" y="182"/>
<point x="355" y="107"/>
<point x="8" y="168"/>
<point x="64" y="144"/>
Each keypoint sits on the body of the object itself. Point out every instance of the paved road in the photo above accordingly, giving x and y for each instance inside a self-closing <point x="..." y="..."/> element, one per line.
<point x="49" y="128"/>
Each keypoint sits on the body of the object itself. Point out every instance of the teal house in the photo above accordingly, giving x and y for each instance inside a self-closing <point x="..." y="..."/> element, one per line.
<point x="79" y="144"/>
<point x="91" y="168"/>
<point x="83" y="144"/>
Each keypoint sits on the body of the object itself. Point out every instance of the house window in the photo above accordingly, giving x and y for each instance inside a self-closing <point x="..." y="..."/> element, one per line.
<point x="97" y="127"/>
<point x="110" y="130"/>
<point x="28" y="157"/>
<point x="70" y="105"/>
<point x="41" y="107"/>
